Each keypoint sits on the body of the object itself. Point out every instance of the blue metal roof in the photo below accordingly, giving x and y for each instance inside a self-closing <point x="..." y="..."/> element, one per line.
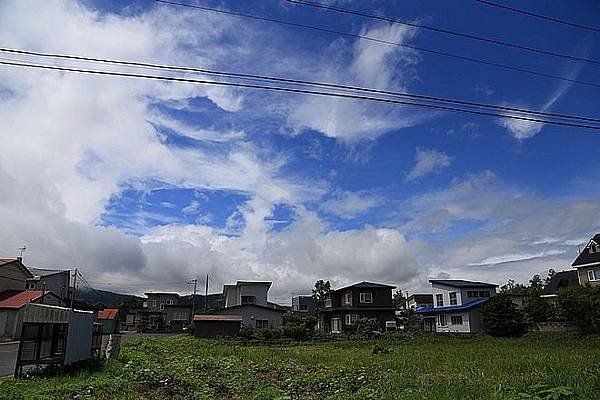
<point x="434" y="310"/>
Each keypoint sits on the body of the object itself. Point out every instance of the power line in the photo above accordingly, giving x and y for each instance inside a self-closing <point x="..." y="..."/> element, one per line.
<point x="381" y="41"/>
<point x="444" y="31"/>
<point x="263" y="78"/>
<point x="293" y="90"/>
<point x="532" y="14"/>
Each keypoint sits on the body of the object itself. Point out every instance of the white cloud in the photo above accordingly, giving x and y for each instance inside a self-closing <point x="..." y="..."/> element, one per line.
<point x="371" y="65"/>
<point x="428" y="161"/>
<point x="526" y="129"/>
<point x="349" y="204"/>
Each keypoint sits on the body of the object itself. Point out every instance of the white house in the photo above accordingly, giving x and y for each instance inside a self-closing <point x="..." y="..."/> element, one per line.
<point x="248" y="299"/>
<point x="456" y="305"/>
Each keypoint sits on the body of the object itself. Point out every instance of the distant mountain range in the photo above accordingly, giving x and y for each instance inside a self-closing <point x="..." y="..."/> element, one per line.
<point x="112" y="300"/>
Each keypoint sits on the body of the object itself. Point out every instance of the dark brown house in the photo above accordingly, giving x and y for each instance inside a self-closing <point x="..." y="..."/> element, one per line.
<point x="345" y="306"/>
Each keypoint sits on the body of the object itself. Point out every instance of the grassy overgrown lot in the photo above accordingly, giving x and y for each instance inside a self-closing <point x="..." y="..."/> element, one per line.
<point x="426" y="367"/>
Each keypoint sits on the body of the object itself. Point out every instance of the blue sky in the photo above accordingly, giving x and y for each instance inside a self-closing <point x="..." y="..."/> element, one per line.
<point x="147" y="182"/>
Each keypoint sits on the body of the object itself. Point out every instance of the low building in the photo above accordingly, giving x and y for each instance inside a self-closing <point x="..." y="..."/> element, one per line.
<point x="178" y="316"/>
<point x="304" y="306"/>
<point x="457" y="305"/>
<point x="345" y="306"/>
<point x="110" y="320"/>
<point x="12" y="303"/>
<point x="210" y="326"/>
<point x="415" y="301"/>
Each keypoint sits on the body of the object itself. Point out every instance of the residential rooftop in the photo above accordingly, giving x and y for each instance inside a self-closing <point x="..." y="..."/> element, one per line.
<point x="586" y="256"/>
<point x="366" y="284"/>
<point x="461" y="283"/>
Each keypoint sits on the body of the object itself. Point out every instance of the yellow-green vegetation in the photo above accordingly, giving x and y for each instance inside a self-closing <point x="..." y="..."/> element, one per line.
<point x="538" y="366"/>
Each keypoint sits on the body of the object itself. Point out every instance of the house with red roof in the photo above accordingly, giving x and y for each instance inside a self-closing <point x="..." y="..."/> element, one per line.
<point x="109" y="318"/>
<point x="12" y="303"/>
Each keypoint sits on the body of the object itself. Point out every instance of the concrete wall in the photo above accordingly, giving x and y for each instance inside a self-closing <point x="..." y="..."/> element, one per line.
<point x="471" y="322"/>
<point x="250" y="314"/>
<point x="155" y="301"/>
<point x="234" y="293"/>
<point x="12" y="277"/>
<point x="308" y="301"/>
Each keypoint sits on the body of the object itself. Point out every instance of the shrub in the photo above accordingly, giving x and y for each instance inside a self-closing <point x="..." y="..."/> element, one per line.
<point x="247" y="332"/>
<point x="367" y="327"/>
<point x="410" y="321"/>
<point x="582" y="306"/>
<point x="502" y="318"/>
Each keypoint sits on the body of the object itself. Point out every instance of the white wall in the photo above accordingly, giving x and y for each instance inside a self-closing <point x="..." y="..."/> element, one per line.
<point x="465" y="327"/>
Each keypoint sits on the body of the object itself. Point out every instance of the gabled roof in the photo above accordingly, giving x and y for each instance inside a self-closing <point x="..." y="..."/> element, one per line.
<point x="108" y="313"/>
<point x="234" y="318"/>
<point x="366" y="285"/>
<point x="6" y="261"/>
<point x="585" y="257"/>
<point x="162" y="294"/>
<point x="46" y="272"/>
<point x="18" y="299"/>
<point x="560" y="280"/>
<point x="461" y="283"/>
<point x="437" y="310"/>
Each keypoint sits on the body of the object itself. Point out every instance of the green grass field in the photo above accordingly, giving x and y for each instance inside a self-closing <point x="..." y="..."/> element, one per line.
<point x="426" y="367"/>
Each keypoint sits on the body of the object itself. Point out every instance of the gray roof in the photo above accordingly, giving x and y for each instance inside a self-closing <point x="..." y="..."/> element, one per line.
<point x="560" y="280"/>
<point x="46" y="272"/>
<point x="585" y="257"/>
<point x="367" y="285"/>
<point x="460" y="283"/>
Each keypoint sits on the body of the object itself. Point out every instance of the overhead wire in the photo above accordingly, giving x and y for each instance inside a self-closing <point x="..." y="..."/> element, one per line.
<point x="381" y="41"/>
<point x="293" y="90"/>
<point x="442" y="30"/>
<point x="263" y="78"/>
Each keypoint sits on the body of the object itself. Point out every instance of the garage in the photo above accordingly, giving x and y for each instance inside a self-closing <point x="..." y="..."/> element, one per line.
<point x="211" y="326"/>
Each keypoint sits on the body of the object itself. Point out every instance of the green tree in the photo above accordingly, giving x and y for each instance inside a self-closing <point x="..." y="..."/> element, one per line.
<point x="321" y="290"/>
<point x="502" y="318"/>
<point x="512" y="287"/>
<point x="536" y="283"/>
<point x="398" y="299"/>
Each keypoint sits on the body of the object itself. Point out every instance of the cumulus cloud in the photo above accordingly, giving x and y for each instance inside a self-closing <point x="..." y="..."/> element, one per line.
<point x="428" y="161"/>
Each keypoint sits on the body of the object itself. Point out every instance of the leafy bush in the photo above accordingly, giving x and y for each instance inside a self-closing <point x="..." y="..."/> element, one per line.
<point x="247" y="332"/>
<point x="410" y="321"/>
<point x="502" y="318"/>
<point x="367" y="327"/>
<point x="582" y="306"/>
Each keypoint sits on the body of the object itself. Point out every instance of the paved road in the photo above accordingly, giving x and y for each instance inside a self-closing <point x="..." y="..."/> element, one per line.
<point x="8" y="358"/>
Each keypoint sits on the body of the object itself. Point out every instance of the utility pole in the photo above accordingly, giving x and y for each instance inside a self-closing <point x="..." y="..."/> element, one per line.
<point x="206" y="296"/>
<point x="74" y="288"/>
<point x="195" y="282"/>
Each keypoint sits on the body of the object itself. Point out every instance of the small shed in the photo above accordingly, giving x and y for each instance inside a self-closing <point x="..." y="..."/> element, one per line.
<point x="210" y="326"/>
<point x="109" y="318"/>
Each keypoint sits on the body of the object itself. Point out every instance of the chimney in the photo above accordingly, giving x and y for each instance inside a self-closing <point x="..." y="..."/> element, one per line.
<point x="20" y="259"/>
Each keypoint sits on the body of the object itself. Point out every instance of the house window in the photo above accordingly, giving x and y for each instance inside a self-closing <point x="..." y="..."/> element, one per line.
<point x="262" y="323"/>
<point x="456" y="319"/>
<point x="351" y="319"/>
<point x="366" y="297"/>
<point x="592" y="275"/>
<point x="145" y="304"/>
<point x="471" y="294"/>
<point x="31" y="285"/>
<point x="162" y="306"/>
<point x="442" y="320"/>
<point x="484" y="293"/>
<point x="439" y="300"/>
<point x="328" y="301"/>
<point x="303" y="307"/>
<point x="154" y="303"/>
<point x="347" y="298"/>
<point x="594" y="248"/>
<point x="453" y="299"/>
<point x="335" y="325"/>
<point x="170" y="302"/>
<point x="248" y="299"/>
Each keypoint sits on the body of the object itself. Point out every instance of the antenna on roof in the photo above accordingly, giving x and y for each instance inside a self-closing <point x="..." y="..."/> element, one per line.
<point x="22" y="250"/>
<point x="578" y="250"/>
